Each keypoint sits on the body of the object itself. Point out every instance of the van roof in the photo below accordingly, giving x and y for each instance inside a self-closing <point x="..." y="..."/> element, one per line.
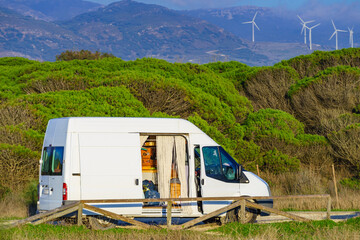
<point x="127" y="124"/>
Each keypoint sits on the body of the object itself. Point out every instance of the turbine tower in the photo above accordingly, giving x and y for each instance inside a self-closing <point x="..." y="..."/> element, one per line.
<point x="303" y="23"/>
<point x="253" y="24"/>
<point x="336" y="33"/>
<point x="310" y="28"/>
<point x="351" y="37"/>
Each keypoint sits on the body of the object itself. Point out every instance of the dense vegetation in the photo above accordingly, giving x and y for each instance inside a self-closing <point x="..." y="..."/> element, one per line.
<point x="300" y="113"/>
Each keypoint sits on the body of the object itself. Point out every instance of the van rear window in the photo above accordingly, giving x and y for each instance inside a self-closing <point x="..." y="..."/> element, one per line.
<point x="53" y="158"/>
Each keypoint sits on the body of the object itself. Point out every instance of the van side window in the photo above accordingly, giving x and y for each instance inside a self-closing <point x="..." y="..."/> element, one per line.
<point x="219" y="164"/>
<point x="53" y="158"/>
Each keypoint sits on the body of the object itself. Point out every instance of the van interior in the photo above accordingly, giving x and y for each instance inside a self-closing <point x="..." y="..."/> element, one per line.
<point x="165" y="168"/>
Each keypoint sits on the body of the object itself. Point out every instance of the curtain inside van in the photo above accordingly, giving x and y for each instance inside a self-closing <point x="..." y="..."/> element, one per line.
<point x="164" y="152"/>
<point x="143" y="140"/>
<point x="180" y="161"/>
<point x="169" y="149"/>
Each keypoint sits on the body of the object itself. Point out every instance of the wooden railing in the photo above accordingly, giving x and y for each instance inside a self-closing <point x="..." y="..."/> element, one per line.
<point x="237" y="201"/>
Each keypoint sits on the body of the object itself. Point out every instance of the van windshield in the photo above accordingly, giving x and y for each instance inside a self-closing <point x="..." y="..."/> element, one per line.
<point x="219" y="164"/>
<point x="52" y="161"/>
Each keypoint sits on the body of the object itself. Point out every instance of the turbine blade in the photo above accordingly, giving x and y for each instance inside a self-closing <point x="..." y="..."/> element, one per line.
<point x="300" y="19"/>
<point x="341" y="30"/>
<point x="246" y="22"/>
<point x="303" y="28"/>
<point x="256" y="26"/>
<point x="314" y="26"/>
<point x="309" y="21"/>
<point x="333" y="24"/>
<point x="332" y="35"/>
<point x="255" y="16"/>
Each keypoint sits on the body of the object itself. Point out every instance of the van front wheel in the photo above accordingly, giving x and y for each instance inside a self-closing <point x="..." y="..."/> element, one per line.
<point x="101" y="223"/>
<point x="234" y="215"/>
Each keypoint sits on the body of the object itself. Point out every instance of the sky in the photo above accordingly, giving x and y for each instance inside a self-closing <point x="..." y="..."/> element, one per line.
<point x="288" y="4"/>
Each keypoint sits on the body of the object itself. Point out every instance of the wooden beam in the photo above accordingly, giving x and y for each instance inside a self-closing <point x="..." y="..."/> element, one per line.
<point x="328" y="210"/>
<point x="207" y="216"/>
<point x="42" y="215"/>
<point x="168" y="214"/>
<point x="242" y="211"/>
<point x="278" y="212"/>
<point x="117" y="216"/>
<point x="56" y="215"/>
<point x="202" y="199"/>
<point x="79" y="214"/>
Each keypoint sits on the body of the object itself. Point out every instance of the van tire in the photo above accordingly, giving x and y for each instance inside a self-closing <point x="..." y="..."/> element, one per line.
<point x="101" y="222"/>
<point x="234" y="215"/>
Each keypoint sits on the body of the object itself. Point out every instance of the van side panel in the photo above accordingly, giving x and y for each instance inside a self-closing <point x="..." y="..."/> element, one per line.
<point x="74" y="168"/>
<point x="110" y="166"/>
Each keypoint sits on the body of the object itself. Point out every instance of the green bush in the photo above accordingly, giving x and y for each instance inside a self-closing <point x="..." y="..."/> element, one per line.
<point x="277" y="162"/>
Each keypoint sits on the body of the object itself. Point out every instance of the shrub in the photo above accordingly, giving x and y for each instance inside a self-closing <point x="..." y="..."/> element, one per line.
<point x="346" y="145"/>
<point x="18" y="165"/>
<point x="277" y="162"/>
<point x="82" y="54"/>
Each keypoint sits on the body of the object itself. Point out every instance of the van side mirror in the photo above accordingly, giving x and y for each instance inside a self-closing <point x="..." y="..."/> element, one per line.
<point x="239" y="172"/>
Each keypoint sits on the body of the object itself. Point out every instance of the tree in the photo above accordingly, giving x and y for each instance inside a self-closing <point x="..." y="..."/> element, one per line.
<point x="83" y="54"/>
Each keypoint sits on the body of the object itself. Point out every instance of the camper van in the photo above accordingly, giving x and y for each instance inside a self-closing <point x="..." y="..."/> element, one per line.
<point x="93" y="158"/>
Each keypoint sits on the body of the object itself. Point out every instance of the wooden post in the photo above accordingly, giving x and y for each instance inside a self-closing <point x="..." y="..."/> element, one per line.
<point x="168" y="213"/>
<point x="335" y="186"/>
<point x="242" y="211"/>
<point x="79" y="214"/>
<point x="328" y="213"/>
<point x="258" y="171"/>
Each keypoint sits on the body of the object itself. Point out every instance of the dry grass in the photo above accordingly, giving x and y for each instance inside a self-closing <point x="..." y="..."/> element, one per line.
<point x="13" y="206"/>
<point x="310" y="182"/>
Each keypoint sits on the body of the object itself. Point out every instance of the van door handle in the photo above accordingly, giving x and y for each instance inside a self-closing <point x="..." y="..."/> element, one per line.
<point x="202" y="181"/>
<point x="136" y="182"/>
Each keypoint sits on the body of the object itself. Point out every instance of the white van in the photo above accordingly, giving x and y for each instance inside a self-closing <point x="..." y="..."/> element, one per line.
<point x="91" y="158"/>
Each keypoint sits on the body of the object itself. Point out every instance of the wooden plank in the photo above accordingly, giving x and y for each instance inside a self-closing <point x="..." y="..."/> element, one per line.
<point x="56" y="215"/>
<point x="328" y="210"/>
<point x="117" y="216"/>
<point x="168" y="213"/>
<point x="44" y="214"/>
<point x="207" y="216"/>
<point x="242" y="211"/>
<point x="202" y="199"/>
<point x="79" y="214"/>
<point x="278" y="212"/>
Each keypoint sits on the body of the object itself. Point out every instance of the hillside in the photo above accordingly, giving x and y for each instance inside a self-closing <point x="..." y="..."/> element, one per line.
<point x="35" y="39"/>
<point x="50" y="10"/>
<point x="298" y="114"/>
<point x="276" y="25"/>
<point x="126" y="29"/>
<point x="131" y="30"/>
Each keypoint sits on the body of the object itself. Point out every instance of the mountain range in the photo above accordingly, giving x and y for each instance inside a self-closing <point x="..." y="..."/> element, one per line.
<point x="39" y="29"/>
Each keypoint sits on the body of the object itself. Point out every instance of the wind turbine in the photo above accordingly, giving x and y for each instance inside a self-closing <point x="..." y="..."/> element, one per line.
<point x="304" y="27"/>
<point x="253" y="24"/>
<point x="351" y="37"/>
<point x="310" y="28"/>
<point x="336" y="33"/>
